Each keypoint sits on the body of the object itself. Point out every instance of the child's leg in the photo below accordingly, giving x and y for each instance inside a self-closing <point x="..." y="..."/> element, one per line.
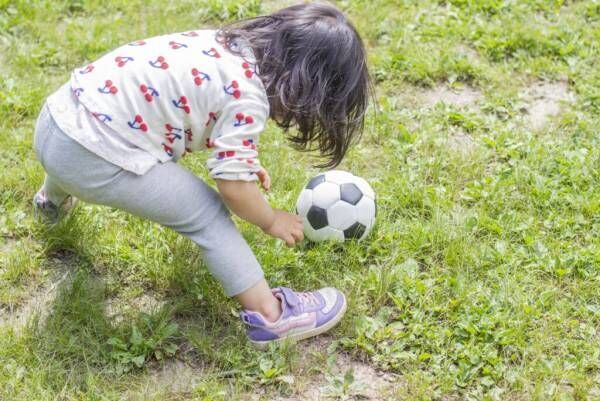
<point x="260" y="298"/>
<point x="169" y="195"/>
<point x="52" y="191"/>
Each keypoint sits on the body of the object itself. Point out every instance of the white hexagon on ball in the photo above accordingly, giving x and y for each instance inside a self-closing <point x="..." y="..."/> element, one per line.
<point x="325" y="194"/>
<point x="341" y="215"/>
<point x="365" y="212"/>
<point x="328" y="234"/>
<point x="339" y="177"/>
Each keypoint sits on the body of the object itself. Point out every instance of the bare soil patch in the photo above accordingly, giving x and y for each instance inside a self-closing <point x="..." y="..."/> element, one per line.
<point x="368" y="383"/>
<point x="545" y="100"/>
<point x="171" y="377"/>
<point x="465" y="96"/>
<point x="41" y="298"/>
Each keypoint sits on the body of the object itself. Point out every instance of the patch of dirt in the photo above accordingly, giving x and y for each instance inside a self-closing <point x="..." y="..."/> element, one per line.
<point x="171" y="377"/>
<point x="7" y="245"/>
<point x="465" y="96"/>
<point x="461" y="143"/>
<point x="368" y="383"/>
<point x="467" y="52"/>
<point x="544" y="100"/>
<point x="116" y="307"/>
<point x="39" y="301"/>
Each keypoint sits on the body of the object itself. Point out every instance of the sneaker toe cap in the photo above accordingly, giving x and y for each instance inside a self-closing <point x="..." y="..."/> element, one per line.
<point x="334" y="303"/>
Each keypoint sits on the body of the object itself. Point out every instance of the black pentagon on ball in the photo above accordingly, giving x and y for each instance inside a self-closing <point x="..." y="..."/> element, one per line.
<point x="312" y="184"/>
<point x="317" y="217"/>
<point x="350" y="193"/>
<point x="356" y="230"/>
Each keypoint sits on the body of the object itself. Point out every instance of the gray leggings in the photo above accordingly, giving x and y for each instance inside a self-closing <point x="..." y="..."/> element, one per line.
<point x="168" y="194"/>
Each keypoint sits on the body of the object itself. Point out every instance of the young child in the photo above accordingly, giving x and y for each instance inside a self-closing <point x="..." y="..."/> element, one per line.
<point x="113" y="133"/>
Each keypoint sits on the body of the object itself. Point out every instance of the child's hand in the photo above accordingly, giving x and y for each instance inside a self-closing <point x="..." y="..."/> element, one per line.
<point x="265" y="180"/>
<point x="286" y="226"/>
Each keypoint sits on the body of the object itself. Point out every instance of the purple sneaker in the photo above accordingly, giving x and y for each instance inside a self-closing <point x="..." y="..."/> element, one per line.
<point x="304" y="315"/>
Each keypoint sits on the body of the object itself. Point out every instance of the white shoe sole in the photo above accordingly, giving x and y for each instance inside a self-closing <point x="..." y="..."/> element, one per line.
<point x="306" y="334"/>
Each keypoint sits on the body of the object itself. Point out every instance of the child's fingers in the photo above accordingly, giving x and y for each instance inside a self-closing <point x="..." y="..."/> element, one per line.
<point x="298" y="235"/>
<point x="289" y="240"/>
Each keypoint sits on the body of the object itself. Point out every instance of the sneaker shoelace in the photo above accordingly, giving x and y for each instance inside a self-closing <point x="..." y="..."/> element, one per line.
<point x="308" y="298"/>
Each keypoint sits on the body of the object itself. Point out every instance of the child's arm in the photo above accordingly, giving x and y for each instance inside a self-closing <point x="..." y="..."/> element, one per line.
<point x="245" y="200"/>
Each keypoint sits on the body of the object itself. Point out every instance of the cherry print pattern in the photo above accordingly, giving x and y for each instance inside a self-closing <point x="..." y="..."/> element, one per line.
<point x="241" y="119"/>
<point x="108" y="88"/>
<point x="249" y="69"/>
<point x="212" y="117"/>
<point x="199" y="76"/>
<point x="182" y="103"/>
<point x="89" y="68"/>
<point x="212" y="52"/>
<point x="172" y="133"/>
<point x="168" y="150"/>
<point x="160" y="62"/>
<point x="247" y="160"/>
<point x="122" y="60"/>
<point x="176" y="45"/>
<point x="105" y="118"/>
<point x="225" y="154"/>
<point x="249" y="143"/>
<point x="138" y="123"/>
<point x="233" y="89"/>
<point x="149" y="92"/>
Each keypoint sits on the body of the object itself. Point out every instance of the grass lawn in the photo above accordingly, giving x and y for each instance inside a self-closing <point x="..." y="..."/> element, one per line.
<point x="480" y="280"/>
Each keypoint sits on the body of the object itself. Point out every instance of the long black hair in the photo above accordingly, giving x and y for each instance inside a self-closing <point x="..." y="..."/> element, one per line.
<point x="313" y="65"/>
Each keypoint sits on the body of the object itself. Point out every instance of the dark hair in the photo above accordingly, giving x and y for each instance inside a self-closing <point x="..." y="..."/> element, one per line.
<point x="313" y="65"/>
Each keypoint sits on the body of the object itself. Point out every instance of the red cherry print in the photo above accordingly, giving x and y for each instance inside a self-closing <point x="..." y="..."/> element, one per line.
<point x="230" y="153"/>
<point x="143" y="88"/>
<point x="160" y="59"/>
<point x="183" y="99"/>
<point x="195" y="71"/>
<point x="237" y="94"/>
<point x="250" y="161"/>
<point x="198" y="81"/>
<point x="249" y="120"/>
<point x="169" y="127"/>
<point x="245" y="65"/>
<point x="239" y="116"/>
<point x="113" y="89"/>
<point x="108" y="82"/>
<point x="118" y="58"/>
<point x="121" y="64"/>
<point x="144" y="127"/>
<point x="148" y="97"/>
<point x="234" y="84"/>
<point x="186" y="109"/>
<point x="164" y="66"/>
<point x="248" y="73"/>
<point x="138" y="118"/>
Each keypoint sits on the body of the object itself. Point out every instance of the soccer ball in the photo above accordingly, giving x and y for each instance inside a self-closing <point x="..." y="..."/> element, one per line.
<point x="336" y="205"/>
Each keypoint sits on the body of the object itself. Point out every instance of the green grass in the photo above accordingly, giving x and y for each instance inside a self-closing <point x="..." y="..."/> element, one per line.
<point x="480" y="280"/>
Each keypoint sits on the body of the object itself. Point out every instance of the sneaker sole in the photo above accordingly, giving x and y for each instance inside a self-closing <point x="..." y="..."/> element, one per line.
<point x="306" y="334"/>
